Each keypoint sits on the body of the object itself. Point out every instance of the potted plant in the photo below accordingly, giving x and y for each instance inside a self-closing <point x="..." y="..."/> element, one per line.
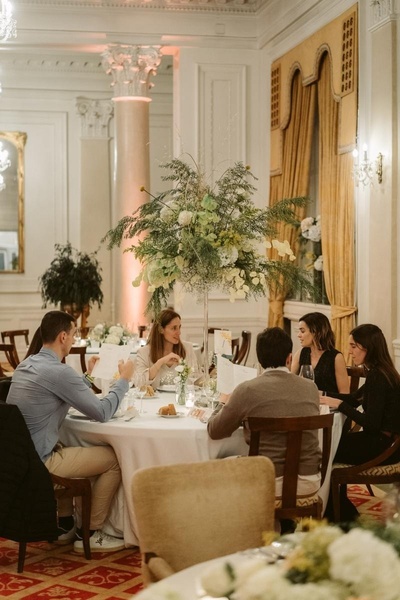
<point x="73" y="279"/>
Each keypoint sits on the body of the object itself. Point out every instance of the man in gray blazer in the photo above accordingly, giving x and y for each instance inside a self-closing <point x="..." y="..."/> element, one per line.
<point x="275" y="393"/>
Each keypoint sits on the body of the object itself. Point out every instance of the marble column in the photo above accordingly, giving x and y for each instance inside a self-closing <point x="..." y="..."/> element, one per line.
<point x="95" y="189"/>
<point x="131" y="68"/>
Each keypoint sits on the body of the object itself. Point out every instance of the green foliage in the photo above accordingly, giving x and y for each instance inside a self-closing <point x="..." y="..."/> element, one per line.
<point x="73" y="277"/>
<point x="209" y="238"/>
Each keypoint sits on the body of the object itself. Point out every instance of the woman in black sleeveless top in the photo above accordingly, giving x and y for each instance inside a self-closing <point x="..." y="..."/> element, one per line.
<point x="318" y="350"/>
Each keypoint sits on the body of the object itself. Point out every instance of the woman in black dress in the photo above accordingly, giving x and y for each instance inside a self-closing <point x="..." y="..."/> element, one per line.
<point x="379" y="398"/>
<point x="318" y="350"/>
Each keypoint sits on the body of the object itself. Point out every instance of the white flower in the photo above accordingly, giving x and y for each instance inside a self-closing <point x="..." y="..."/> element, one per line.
<point x="311" y="228"/>
<point x="306" y="223"/>
<point x="112" y="339"/>
<point x="283" y="248"/>
<point x="218" y="580"/>
<point x="369" y="565"/>
<point x="185" y="217"/>
<point x="228" y="256"/>
<point x="319" y="263"/>
<point x="116" y="330"/>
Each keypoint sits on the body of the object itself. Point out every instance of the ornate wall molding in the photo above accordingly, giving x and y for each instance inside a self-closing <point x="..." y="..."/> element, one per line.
<point x="131" y="68"/>
<point x="95" y="117"/>
<point x="49" y="64"/>
<point x="228" y="6"/>
<point x="382" y="11"/>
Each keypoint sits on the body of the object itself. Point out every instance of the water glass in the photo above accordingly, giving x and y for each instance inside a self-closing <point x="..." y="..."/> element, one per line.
<point x="140" y="381"/>
<point x="190" y="395"/>
<point x="307" y="372"/>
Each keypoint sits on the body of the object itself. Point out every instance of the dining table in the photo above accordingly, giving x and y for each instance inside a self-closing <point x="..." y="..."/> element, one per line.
<point x="143" y="438"/>
<point x="146" y="440"/>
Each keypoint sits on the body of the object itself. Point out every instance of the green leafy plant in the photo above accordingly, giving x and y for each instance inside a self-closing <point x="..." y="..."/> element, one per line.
<point x="209" y="237"/>
<point x="72" y="278"/>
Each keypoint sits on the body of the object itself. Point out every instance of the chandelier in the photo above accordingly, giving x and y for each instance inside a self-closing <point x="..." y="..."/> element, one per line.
<point x="7" y="23"/>
<point x="4" y="164"/>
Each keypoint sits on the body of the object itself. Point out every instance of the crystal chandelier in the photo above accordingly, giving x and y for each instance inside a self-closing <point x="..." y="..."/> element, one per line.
<point x="4" y="164"/>
<point x="7" y="23"/>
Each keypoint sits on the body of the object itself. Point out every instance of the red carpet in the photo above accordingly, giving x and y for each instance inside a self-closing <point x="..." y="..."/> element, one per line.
<point x="56" y="573"/>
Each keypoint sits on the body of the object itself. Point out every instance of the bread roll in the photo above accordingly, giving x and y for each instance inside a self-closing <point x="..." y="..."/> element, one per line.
<point x="167" y="410"/>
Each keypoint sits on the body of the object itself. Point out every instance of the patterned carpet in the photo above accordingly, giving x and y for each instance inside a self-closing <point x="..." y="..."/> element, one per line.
<point x="56" y="573"/>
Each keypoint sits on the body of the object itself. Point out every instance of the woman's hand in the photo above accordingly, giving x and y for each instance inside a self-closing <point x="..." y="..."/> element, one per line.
<point x="170" y="359"/>
<point x="331" y="402"/>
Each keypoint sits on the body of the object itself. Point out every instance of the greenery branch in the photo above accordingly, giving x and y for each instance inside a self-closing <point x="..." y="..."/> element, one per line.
<point x="209" y="237"/>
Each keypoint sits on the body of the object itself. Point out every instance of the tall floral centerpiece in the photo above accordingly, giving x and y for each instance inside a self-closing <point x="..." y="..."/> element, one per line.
<point x="209" y="237"/>
<point x="310" y="234"/>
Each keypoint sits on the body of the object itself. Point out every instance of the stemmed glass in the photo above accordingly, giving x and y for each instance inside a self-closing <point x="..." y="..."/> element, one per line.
<point x="139" y="381"/>
<point x="307" y="372"/>
<point x="78" y="336"/>
<point x="210" y="391"/>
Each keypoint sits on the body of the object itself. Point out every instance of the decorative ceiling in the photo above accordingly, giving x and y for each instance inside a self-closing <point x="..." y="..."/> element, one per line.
<point x="226" y="6"/>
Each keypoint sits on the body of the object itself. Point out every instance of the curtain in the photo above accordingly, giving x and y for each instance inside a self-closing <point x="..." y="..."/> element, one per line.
<point x="294" y="180"/>
<point x="336" y="198"/>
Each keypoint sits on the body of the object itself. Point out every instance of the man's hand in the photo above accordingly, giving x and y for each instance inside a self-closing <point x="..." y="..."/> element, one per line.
<point x="92" y="361"/>
<point x="126" y="369"/>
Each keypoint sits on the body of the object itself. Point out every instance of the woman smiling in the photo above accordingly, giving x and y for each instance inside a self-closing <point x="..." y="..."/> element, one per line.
<point x="164" y="350"/>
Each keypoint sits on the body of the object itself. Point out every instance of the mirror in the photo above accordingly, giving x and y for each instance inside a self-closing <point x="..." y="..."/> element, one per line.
<point x="12" y="144"/>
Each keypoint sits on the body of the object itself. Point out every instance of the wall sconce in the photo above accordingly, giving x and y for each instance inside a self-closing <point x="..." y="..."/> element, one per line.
<point x="364" y="171"/>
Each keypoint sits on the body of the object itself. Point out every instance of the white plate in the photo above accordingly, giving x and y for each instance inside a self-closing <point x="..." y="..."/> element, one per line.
<point x="172" y="416"/>
<point x="167" y="388"/>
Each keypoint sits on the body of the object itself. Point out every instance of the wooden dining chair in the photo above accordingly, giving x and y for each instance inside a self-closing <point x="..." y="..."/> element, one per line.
<point x="244" y="349"/>
<point x="372" y="472"/>
<point x="81" y="350"/>
<point x="355" y="375"/>
<point x="72" y="487"/>
<point x="63" y="487"/>
<point x="190" y="513"/>
<point x="291" y="506"/>
<point x="10" y="363"/>
<point x="8" y="337"/>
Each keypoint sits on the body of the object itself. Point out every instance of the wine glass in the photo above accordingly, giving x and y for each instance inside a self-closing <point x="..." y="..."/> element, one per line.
<point x="210" y="391"/>
<point x="140" y="381"/>
<point x="78" y="336"/>
<point x="307" y="372"/>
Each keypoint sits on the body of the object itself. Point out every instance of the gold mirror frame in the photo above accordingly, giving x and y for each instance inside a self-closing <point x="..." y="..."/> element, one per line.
<point x="17" y="139"/>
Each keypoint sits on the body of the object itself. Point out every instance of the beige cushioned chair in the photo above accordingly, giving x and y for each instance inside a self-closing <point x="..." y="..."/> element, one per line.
<point x="190" y="513"/>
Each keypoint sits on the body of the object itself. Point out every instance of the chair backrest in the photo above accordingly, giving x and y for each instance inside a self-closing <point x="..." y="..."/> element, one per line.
<point x="294" y="428"/>
<point x="27" y="503"/>
<point x="11" y="358"/>
<point x="189" y="513"/>
<point x="81" y="350"/>
<point x="355" y="374"/>
<point x="9" y="337"/>
<point x="244" y="350"/>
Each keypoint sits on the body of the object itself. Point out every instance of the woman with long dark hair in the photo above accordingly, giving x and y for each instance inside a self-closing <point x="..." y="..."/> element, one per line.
<point x="379" y="398"/>
<point x="164" y="350"/>
<point x="318" y="350"/>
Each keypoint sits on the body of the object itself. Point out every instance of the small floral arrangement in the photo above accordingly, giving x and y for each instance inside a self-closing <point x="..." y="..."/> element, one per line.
<point x="327" y="564"/>
<point x="108" y="334"/>
<point x="311" y="228"/>
<point x="183" y="371"/>
<point x="207" y="237"/>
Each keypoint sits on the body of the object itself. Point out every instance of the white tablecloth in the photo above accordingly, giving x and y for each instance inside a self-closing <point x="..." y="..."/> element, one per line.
<point x="150" y="440"/>
<point x="147" y="441"/>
